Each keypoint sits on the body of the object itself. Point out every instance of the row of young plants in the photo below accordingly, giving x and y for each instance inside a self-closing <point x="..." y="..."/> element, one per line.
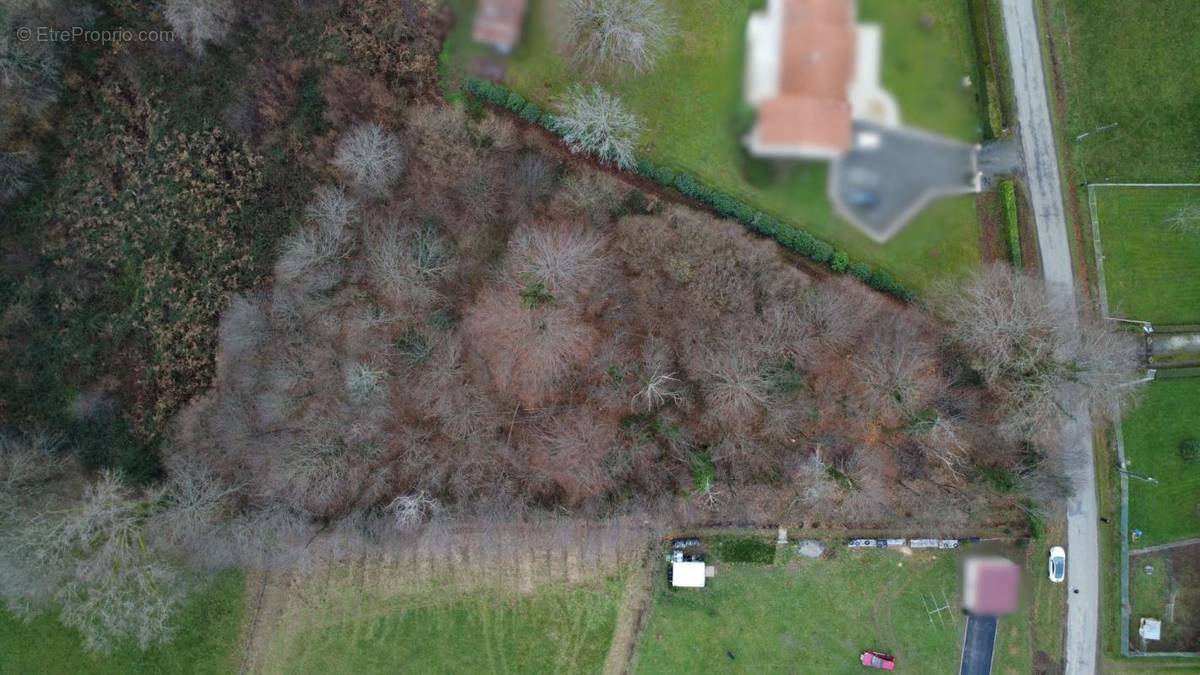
<point x="726" y="205"/>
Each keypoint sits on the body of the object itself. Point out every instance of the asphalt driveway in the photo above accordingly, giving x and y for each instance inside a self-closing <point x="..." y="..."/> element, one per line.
<point x="880" y="184"/>
<point x="978" y="646"/>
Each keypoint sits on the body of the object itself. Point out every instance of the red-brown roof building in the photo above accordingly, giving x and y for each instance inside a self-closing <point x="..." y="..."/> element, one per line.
<point x="800" y="68"/>
<point x="498" y="23"/>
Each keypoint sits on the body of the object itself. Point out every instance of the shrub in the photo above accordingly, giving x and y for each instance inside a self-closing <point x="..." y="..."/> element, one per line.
<point x="691" y="187"/>
<point x="1189" y="450"/>
<point x="882" y="281"/>
<point x="764" y="224"/>
<point x="616" y="35"/>
<point x="645" y="168"/>
<point x="530" y="112"/>
<point x="723" y="203"/>
<point x="840" y="262"/>
<point x="634" y="203"/>
<point x="665" y="176"/>
<point x="596" y="122"/>
<point x="549" y="123"/>
<point x="859" y="271"/>
<point x="821" y="251"/>
<point x="515" y="102"/>
<point x="745" y="214"/>
<point x="487" y="90"/>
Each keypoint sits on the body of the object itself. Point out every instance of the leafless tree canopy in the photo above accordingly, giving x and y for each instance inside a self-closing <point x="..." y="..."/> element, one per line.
<point x="616" y="36"/>
<point x="419" y="358"/>
<point x="1185" y="219"/>
<point x="199" y="22"/>
<point x="371" y="158"/>
<point x="1042" y="362"/>
<point x="595" y="122"/>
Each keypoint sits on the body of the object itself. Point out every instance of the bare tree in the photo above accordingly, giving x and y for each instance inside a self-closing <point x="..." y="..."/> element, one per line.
<point x="735" y="387"/>
<point x="1185" y="219"/>
<point x="15" y="169"/>
<point x="193" y="523"/>
<point x="616" y="36"/>
<point x="656" y="390"/>
<point x="596" y="122"/>
<point x="371" y="157"/>
<point x="200" y="22"/>
<point x="92" y="560"/>
<point x="327" y="237"/>
<point x="564" y="259"/>
<point x="1043" y="361"/>
<point x="410" y="510"/>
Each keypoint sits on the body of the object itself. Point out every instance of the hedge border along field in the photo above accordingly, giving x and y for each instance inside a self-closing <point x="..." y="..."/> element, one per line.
<point x="790" y="237"/>
<point x="1012" y="222"/>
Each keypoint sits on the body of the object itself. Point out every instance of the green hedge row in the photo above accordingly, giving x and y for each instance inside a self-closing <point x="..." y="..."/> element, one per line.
<point x="726" y="205"/>
<point x="1012" y="225"/>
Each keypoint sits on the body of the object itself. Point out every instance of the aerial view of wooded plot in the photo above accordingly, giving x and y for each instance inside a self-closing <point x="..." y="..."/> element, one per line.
<point x="308" y="364"/>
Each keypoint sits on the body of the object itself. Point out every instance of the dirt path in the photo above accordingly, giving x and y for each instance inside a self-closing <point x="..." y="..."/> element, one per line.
<point x="631" y="617"/>
<point x="266" y="597"/>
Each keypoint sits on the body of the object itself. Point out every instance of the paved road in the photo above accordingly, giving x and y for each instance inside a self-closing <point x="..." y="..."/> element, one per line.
<point x="978" y="645"/>
<point x="1041" y="167"/>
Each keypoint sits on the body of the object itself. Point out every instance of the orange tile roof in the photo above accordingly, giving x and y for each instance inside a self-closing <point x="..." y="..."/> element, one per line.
<point x="817" y="66"/>
<point x="805" y="122"/>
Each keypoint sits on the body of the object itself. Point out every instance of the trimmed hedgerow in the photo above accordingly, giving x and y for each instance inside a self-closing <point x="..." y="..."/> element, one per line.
<point x="727" y="205"/>
<point x="515" y="102"/>
<point x="859" y="271"/>
<point x="530" y="112"/>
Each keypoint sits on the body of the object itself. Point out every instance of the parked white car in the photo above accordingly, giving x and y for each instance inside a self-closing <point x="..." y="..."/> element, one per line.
<point x="1058" y="564"/>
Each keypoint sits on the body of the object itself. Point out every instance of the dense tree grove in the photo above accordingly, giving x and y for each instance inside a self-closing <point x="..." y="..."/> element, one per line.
<point x="332" y="310"/>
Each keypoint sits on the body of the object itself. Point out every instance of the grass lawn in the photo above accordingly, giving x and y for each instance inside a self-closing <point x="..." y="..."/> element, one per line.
<point x="809" y="616"/>
<point x="1131" y="64"/>
<point x="556" y="629"/>
<point x="1150" y="271"/>
<point x="1169" y="510"/>
<point x="689" y="106"/>
<point x="1171" y="594"/>
<point x="207" y="641"/>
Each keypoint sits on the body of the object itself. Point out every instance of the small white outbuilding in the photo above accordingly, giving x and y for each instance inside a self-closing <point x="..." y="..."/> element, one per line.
<point x="1150" y="629"/>
<point x="687" y="574"/>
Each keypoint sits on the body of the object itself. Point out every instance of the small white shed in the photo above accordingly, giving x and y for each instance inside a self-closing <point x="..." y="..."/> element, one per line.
<point x="1150" y="629"/>
<point x="687" y="574"/>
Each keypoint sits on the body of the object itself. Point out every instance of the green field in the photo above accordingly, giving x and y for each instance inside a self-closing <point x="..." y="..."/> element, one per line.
<point x="557" y="629"/>
<point x="809" y="616"/>
<point x="1151" y="272"/>
<point x="690" y="104"/>
<point x="1170" y="593"/>
<point x="206" y="641"/>
<point x="1130" y="64"/>
<point x="1169" y="510"/>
